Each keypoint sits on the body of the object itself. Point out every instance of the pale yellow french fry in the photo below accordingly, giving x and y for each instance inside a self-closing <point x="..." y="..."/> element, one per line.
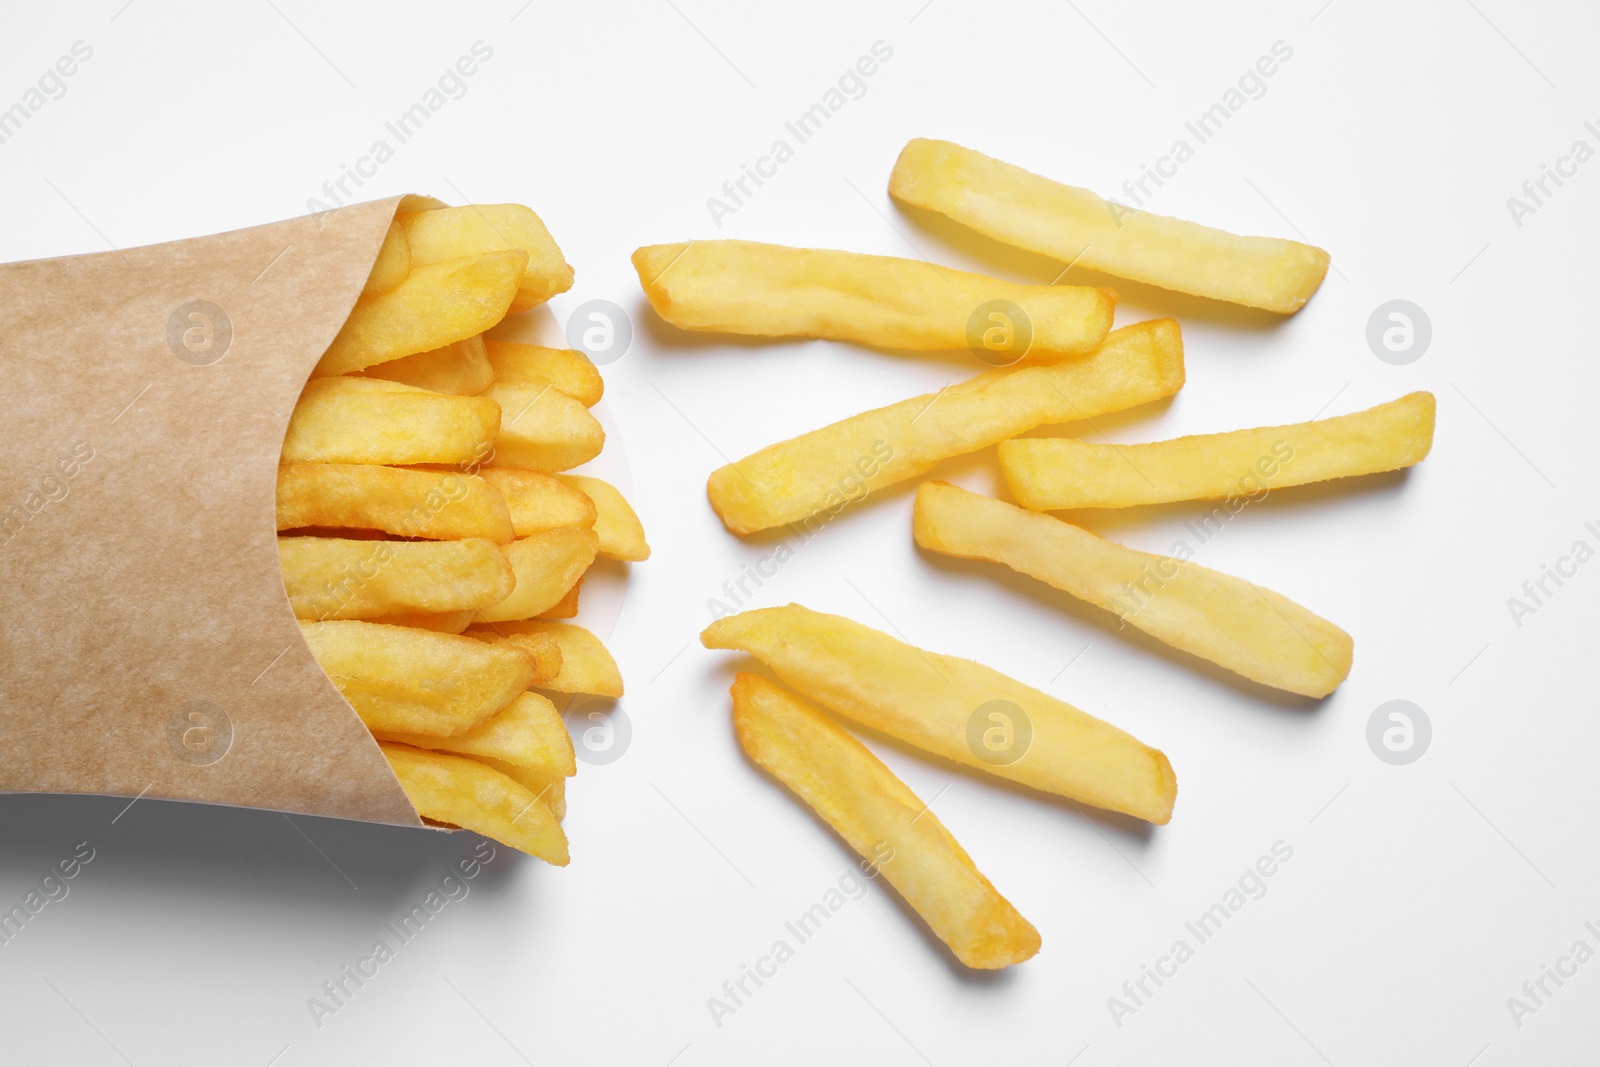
<point x="547" y="564"/>
<point x="621" y="534"/>
<point x="540" y="501"/>
<point x="461" y="369"/>
<point x="543" y="428"/>
<point x="954" y="708"/>
<point x="568" y="370"/>
<point x="1075" y="226"/>
<point x="338" y="578"/>
<point x="883" y="821"/>
<point x="550" y="788"/>
<point x="443" y="505"/>
<point x="527" y="732"/>
<point x="392" y="265"/>
<point x="419" y="681"/>
<point x="1048" y="474"/>
<point x="437" y="304"/>
<point x="447" y="622"/>
<point x="452" y="232"/>
<point x="743" y="287"/>
<point x="542" y="650"/>
<point x="567" y="606"/>
<point x="457" y="791"/>
<point x="586" y="665"/>
<point x="1246" y="628"/>
<point x="826" y="469"/>
<point x="364" y="420"/>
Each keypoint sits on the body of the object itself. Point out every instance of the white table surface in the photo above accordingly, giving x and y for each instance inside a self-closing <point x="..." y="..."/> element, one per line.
<point x="1418" y="898"/>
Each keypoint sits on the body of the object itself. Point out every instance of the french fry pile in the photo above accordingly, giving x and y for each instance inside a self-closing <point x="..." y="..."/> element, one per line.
<point x="430" y="545"/>
<point x="1057" y="361"/>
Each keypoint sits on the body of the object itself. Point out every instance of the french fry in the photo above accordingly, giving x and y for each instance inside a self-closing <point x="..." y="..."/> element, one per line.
<point x="542" y="650"/>
<point x="437" y="304"/>
<point x="543" y="428"/>
<point x="547" y="564"/>
<point x="452" y="232"/>
<point x="743" y="287"/>
<point x="586" y="666"/>
<point x="1075" y="226"/>
<point x="567" y="606"/>
<point x="463" y="792"/>
<point x="416" y="681"/>
<point x="550" y="788"/>
<point x="540" y="501"/>
<point x="392" y="265"/>
<point x="1057" y="473"/>
<point x="1234" y="623"/>
<point x="446" y="622"/>
<point x="364" y="420"/>
<point x="461" y="369"/>
<point x="828" y="468"/>
<point x="878" y="816"/>
<point x="945" y="705"/>
<point x="405" y="503"/>
<point x="566" y="369"/>
<point x="527" y="732"/>
<point x="337" y="578"/>
<point x="617" y="525"/>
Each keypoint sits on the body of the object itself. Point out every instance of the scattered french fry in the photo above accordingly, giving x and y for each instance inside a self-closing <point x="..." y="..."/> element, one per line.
<point x="436" y="305"/>
<point x="565" y="369"/>
<point x="1246" y="628"/>
<point x="336" y="578"/>
<point x="941" y="704"/>
<point x="547" y="564"/>
<point x="416" y="681"/>
<point x="364" y="420"/>
<point x="527" y="732"/>
<point x="828" y="468"/>
<point x="1075" y="226"/>
<point x="883" y="821"/>
<point x="617" y="525"/>
<point x="586" y="666"/>
<point x="407" y="503"/>
<point x="1058" y="473"/>
<point x="463" y="792"/>
<point x="742" y="287"/>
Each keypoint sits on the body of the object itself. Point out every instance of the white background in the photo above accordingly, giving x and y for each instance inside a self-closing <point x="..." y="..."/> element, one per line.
<point x="1418" y="899"/>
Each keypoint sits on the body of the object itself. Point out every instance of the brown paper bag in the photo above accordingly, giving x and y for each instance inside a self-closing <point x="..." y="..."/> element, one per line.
<point x="147" y="646"/>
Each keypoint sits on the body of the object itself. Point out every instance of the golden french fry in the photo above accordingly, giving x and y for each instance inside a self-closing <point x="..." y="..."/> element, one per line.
<point x="461" y="369"/>
<point x="364" y="420"/>
<point x="1057" y="473"/>
<point x="954" y="708"/>
<point x="337" y="578"/>
<point x="463" y="792"/>
<point x="826" y="469"/>
<point x="407" y="503"/>
<point x="1246" y="628"/>
<point x="392" y="265"/>
<point x="567" y="606"/>
<point x="621" y="534"/>
<point x="437" y="304"/>
<point x="547" y="564"/>
<point x="418" y="681"/>
<point x="527" y="732"/>
<point x="445" y="622"/>
<point x="586" y="666"/>
<point x="453" y="232"/>
<point x="542" y="650"/>
<point x="568" y="370"/>
<point x="550" y="788"/>
<point x="543" y="428"/>
<point x="540" y="501"/>
<point x="1075" y="226"/>
<point x="744" y="287"/>
<point x="883" y="821"/>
